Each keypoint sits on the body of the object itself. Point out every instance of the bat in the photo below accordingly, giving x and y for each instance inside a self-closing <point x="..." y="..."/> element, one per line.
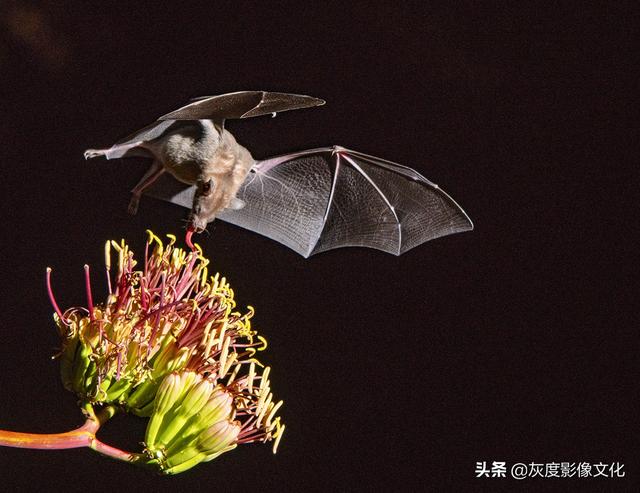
<point x="311" y="201"/>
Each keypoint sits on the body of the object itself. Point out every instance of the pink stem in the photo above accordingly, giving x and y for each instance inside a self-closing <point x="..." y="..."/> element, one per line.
<point x="70" y="439"/>
<point x="114" y="453"/>
<point x="84" y="436"/>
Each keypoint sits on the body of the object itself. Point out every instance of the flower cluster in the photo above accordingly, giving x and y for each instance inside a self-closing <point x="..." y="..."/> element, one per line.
<point x="168" y="344"/>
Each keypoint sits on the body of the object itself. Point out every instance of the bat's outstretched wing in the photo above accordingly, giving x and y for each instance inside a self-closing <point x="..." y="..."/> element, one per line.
<point x="242" y="104"/>
<point x="131" y="144"/>
<point x="326" y="198"/>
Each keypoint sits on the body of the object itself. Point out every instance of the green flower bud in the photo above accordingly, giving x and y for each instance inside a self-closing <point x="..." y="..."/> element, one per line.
<point x="165" y="354"/>
<point x="168" y="392"/>
<point x="183" y="461"/>
<point x="118" y="388"/>
<point x="193" y="400"/>
<point x="218" y="407"/>
<point x="196" y="397"/>
<point x="220" y="436"/>
<point x="180" y="360"/>
<point x="80" y="366"/>
<point x="142" y="394"/>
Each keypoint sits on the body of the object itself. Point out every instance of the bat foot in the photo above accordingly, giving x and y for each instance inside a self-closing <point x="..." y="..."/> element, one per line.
<point x="133" y="205"/>
<point x="91" y="153"/>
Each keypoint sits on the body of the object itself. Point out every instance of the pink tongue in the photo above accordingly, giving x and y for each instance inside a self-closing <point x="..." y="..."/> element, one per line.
<point x="187" y="239"/>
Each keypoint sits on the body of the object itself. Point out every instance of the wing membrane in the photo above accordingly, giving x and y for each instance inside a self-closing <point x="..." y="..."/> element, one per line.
<point x="242" y="104"/>
<point x="318" y="200"/>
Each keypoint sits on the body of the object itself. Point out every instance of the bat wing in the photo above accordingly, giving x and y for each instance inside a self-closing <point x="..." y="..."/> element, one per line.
<point x="129" y="146"/>
<point x="317" y="200"/>
<point x="242" y="104"/>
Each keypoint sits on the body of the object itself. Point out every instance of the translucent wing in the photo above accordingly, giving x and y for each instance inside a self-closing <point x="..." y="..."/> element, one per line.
<point x="129" y="146"/>
<point x="317" y="200"/>
<point x="242" y="104"/>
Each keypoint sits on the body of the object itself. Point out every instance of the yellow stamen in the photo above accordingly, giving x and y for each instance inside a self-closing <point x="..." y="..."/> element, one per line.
<point x="264" y="343"/>
<point x="234" y="374"/>
<point x="277" y="438"/>
<point x="274" y="410"/>
<point x="107" y="255"/>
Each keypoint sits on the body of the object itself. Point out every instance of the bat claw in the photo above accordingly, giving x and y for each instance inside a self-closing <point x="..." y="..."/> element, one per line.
<point x="133" y="205"/>
<point x="91" y="153"/>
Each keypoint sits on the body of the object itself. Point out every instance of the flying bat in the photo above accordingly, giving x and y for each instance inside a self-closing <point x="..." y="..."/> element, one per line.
<point x="311" y="201"/>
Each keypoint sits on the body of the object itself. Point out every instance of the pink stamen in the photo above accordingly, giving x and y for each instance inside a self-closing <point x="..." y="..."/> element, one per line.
<point x="187" y="277"/>
<point x="143" y="295"/>
<point x="52" y="299"/>
<point x="189" y="328"/>
<point x="158" y="310"/>
<point x="146" y="258"/>
<point x="87" y="283"/>
<point x="156" y="325"/>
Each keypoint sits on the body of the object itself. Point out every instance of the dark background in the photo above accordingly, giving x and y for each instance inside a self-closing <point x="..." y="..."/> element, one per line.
<point x="514" y="342"/>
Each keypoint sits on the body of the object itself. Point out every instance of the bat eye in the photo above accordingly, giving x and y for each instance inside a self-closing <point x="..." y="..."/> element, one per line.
<point x="206" y="186"/>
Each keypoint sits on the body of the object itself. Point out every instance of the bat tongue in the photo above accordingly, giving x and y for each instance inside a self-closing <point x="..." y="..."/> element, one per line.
<point x="187" y="238"/>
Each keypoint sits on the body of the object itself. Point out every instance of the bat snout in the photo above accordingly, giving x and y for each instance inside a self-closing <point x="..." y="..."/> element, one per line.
<point x="197" y="224"/>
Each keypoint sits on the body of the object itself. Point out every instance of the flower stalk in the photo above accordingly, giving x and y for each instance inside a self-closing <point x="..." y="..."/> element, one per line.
<point x="84" y="436"/>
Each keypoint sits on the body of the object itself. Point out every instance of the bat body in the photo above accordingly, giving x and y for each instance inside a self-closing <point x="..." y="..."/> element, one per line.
<point x="311" y="201"/>
<point x="195" y="152"/>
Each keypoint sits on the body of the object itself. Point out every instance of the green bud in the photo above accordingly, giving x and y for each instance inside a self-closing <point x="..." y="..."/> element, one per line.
<point x="180" y="360"/>
<point x="118" y="388"/>
<point x="132" y="356"/>
<point x="166" y="352"/>
<point x="213" y="456"/>
<point x="90" y="378"/>
<point x="143" y="394"/>
<point x="80" y="365"/>
<point x="220" y="436"/>
<point x="218" y="407"/>
<point x="184" y="461"/>
<point x="194" y="460"/>
<point x="104" y="386"/>
<point x="196" y="397"/>
<point x="191" y="401"/>
<point x="218" y="439"/>
<point x="145" y="411"/>
<point x="168" y="392"/>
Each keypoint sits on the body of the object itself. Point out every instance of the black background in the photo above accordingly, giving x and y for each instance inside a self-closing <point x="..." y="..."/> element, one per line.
<point x="514" y="342"/>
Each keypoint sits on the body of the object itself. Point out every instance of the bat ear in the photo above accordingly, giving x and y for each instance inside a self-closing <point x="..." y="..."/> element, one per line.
<point x="236" y="204"/>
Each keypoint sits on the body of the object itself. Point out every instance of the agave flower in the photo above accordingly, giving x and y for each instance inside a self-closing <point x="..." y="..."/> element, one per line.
<point x="167" y="344"/>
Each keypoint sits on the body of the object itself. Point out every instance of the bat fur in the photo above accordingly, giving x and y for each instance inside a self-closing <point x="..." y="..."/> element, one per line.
<point x="199" y="153"/>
